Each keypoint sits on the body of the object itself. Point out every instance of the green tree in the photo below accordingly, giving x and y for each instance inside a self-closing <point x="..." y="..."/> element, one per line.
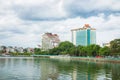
<point x="105" y="51"/>
<point x="65" y="47"/>
<point x="115" y="46"/>
<point x="93" y="50"/>
<point x="3" y="49"/>
<point x="81" y="50"/>
<point x="74" y="51"/>
<point x="54" y="51"/>
<point x="37" y="51"/>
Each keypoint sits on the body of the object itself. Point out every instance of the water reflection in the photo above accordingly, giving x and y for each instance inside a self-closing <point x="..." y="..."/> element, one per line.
<point x="48" y="69"/>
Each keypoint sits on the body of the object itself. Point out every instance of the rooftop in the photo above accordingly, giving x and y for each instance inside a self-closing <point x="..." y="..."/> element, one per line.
<point x="53" y="37"/>
<point x="86" y="26"/>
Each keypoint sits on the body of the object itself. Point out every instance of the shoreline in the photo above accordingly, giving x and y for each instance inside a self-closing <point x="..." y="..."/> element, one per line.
<point x="68" y="58"/>
<point x="104" y="60"/>
<point x="88" y="59"/>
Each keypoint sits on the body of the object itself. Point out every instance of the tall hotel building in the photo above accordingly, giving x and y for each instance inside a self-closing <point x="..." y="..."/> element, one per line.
<point x="84" y="36"/>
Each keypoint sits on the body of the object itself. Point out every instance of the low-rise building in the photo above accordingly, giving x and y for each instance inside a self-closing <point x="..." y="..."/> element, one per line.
<point x="30" y="50"/>
<point x="10" y="49"/>
<point x="106" y="44"/>
<point x="50" y="41"/>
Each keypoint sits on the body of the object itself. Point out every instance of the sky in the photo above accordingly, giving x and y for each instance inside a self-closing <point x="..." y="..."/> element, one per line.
<point x="23" y="22"/>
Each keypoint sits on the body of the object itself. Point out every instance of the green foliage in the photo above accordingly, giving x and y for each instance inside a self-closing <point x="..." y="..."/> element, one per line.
<point x="115" y="46"/>
<point x="82" y="50"/>
<point x="93" y="50"/>
<point x="54" y="51"/>
<point x="65" y="47"/>
<point x="37" y="51"/>
<point x="44" y="53"/>
<point x="105" y="51"/>
<point x="14" y="54"/>
<point x="20" y="54"/>
<point x="28" y="54"/>
<point x="72" y="51"/>
<point x="3" y="50"/>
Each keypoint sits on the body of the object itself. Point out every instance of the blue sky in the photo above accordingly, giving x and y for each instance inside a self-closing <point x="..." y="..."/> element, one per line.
<point x="22" y="22"/>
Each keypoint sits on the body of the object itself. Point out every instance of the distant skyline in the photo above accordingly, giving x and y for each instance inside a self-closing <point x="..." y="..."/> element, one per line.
<point x="22" y="22"/>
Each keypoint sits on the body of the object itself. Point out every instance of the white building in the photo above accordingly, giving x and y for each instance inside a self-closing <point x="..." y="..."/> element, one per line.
<point x="10" y="49"/>
<point x="50" y="41"/>
<point x="106" y="44"/>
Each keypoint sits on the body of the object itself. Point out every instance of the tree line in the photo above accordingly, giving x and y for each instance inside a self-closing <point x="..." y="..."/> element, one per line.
<point x="67" y="48"/>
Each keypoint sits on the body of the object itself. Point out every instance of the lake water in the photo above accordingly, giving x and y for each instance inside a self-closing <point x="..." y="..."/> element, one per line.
<point x="29" y="68"/>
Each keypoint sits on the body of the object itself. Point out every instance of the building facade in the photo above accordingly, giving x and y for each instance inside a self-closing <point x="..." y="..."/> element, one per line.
<point x="106" y="44"/>
<point x="50" y="41"/>
<point x="84" y="36"/>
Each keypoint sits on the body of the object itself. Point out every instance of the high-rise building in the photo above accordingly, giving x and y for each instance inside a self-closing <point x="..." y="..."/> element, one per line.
<point x="50" y="41"/>
<point x="84" y="36"/>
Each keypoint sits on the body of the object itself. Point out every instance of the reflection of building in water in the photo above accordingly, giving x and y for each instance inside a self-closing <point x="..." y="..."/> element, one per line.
<point x="48" y="71"/>
<point x="74" y="75"/>
<point x="82" y="74"/>
<point x="115" y="72"/>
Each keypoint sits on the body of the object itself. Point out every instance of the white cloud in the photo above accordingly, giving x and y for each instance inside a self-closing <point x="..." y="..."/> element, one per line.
<point x="107" y="29"/>
<point x="90" y="5"/>
<point x="26" y="40"/>
<point x="57" y="9"/>
<point x="14" y="30"/>
<point x="87" y="8"/>
<point x="39" y="10"/>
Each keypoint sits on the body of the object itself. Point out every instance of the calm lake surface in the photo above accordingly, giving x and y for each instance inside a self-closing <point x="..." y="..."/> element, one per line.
<point x="29" y="68"/>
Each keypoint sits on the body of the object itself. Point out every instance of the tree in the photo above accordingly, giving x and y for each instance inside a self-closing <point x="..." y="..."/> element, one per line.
<point x="37" y="51"/>
<point x="3" y="49"/>
<point x="93" y="50"/>
<point x="82" y="51"/>
<point x="105" y="51"/>
<point x="115" y="46"/>
<point x="65" y="47"/>
<point x="74" y="51"/>
<point x="54" y="51"/>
